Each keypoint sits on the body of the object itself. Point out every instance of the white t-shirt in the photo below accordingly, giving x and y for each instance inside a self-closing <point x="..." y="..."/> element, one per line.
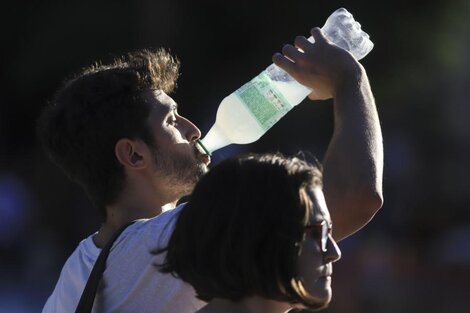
<point x="131" y="281"/>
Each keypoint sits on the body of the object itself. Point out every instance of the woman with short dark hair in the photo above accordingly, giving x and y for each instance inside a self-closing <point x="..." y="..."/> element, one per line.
<point x="255" y="236"/>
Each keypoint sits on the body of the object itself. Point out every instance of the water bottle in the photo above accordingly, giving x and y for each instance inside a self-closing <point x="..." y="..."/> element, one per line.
<point x="246" y="114"/>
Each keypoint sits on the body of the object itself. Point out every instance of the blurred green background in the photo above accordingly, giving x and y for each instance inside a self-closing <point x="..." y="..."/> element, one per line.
<point x="413" y="257"/>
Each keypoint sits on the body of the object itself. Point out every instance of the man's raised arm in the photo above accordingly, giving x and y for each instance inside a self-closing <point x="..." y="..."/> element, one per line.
<point x="353" y="163"/>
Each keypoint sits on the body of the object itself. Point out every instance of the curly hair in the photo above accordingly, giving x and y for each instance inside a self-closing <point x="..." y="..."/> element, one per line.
<point x="93" y="110"/>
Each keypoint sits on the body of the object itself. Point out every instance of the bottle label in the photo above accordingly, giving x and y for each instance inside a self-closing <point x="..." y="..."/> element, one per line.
<point x="264" y="100"/>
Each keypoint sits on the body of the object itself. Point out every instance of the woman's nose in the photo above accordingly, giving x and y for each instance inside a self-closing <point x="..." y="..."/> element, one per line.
<point x="333" y="253"/>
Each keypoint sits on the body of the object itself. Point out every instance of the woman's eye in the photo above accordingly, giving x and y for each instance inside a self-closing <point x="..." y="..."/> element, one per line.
<point x="173" y="122"/>
<point x="315" y="232"/>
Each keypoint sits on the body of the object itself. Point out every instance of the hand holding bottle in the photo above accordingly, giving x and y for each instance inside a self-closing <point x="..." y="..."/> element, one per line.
<point x="322" y="66"/>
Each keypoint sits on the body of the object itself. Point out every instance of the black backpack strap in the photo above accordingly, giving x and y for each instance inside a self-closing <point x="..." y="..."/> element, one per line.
<point x="88" y="296"/>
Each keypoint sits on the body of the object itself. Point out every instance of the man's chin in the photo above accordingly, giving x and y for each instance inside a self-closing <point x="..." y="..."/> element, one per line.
<point x="191" y="181"/>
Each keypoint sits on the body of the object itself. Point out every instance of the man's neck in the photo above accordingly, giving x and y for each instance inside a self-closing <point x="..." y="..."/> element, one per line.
<point x="118" y="215"/>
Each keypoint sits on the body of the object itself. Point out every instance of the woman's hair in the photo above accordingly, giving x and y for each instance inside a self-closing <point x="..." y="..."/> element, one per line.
<point x="93" y="110"/>
<point x="240" y="234"/>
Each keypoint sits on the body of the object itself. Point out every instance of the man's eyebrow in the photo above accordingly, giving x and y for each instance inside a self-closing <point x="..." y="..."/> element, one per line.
<point x="173" y="107"/>
<point x="168" y="108"/>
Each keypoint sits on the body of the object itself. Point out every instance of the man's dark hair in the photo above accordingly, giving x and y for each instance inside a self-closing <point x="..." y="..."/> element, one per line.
<point x="93" y="110"/>
<point x="241" y="231"/>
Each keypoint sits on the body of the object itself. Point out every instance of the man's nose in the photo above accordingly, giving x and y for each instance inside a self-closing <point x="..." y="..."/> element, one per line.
<point x="189" y="130"/>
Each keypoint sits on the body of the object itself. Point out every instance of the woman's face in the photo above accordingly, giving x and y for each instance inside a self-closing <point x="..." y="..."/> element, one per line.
<point x="315" y="266"/>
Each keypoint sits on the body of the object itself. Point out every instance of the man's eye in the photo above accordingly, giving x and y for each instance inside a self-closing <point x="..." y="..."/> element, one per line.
<point x="173" y="122"/>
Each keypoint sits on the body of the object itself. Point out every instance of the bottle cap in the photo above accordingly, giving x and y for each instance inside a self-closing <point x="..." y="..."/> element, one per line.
<point x="345" y="32"/>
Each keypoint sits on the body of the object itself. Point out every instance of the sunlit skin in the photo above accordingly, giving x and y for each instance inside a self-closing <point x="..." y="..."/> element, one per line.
<point x="178" y="164"/>
<point x="353" y="162"/>
<point x="156" y="176"/>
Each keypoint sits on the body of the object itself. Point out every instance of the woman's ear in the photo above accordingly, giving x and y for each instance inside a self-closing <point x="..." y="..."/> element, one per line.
<point x="131" y="153"/>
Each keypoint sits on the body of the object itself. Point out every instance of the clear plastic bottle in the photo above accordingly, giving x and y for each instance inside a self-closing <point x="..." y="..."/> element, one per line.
<point x="246" y="114"/>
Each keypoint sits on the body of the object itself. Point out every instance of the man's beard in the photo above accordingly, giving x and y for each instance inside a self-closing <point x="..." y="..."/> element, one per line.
<point x="180" y="171"/>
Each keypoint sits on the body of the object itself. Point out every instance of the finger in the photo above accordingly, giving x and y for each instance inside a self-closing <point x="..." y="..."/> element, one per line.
<point x="318" y="35"/>
<point x="302" y="43"/>
<point x="314" y="96"/>
<point x="284" y="63"/>
<point x="292" y="53"/>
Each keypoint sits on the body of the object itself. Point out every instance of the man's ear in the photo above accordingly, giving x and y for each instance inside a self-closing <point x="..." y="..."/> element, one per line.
<point x="131" y="153"/>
